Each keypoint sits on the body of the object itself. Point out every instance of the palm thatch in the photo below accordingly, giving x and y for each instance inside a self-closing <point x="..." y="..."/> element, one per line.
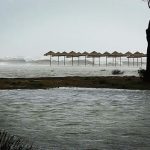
<point x="127" y="54"/>
<point x="72" y="54"/>
<point x="50" y="53"/>
<point x="99" y="55"/>
<point x="64" y="54"/>
<point x="85" y="54"/>
<point x="137" y="55"/>
<point x="116" y="54"/>
<point x="78" y="55"/>
<point x="93" y="55"/>
<point x="106" y="54"/>
<point x="58" y="54"/>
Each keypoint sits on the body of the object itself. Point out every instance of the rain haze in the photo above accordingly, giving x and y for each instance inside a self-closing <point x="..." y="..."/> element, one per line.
<point x="29" y="28"/>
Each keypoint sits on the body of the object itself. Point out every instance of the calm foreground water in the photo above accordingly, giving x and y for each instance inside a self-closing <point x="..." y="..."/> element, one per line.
<point x="78" y="119"/>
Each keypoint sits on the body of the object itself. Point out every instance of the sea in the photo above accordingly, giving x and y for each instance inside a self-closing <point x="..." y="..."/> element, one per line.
<point x="75" y="118"/>
<point x="25" y="68"/>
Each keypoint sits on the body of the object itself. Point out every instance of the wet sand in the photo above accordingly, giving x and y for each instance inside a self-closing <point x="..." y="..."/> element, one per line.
<point x="125" y="82"/>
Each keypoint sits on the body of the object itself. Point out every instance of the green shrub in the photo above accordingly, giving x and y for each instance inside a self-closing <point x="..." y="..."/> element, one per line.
<point x="142" y="73"/>
<point x="117" y="72"/>
<point x="11" y="142"/>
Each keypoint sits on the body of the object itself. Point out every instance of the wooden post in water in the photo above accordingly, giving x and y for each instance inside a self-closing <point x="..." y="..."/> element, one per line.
<point x="50" y="60"/>
<point x="99" y="61"/>
<point x="93" y="61"/>
<point x="58" y="60"/>
<point x="64" y="60"/>
<point x="120" y="61"/>
<point x="72" y="60"/>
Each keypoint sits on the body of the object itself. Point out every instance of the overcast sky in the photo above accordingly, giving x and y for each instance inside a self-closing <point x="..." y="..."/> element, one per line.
<point x="30" y="28"/>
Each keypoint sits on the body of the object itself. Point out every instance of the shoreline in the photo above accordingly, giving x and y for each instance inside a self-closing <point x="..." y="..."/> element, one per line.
<point x="115" y="82"/>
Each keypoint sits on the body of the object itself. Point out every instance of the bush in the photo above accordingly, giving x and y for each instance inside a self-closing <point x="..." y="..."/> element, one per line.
<point x="117" y="72"/>
<point x="11" y="142"/>
<point x="142" y="73"/>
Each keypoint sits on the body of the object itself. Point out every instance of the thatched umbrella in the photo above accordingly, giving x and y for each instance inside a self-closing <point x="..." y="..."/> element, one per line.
<point x="85" y="54"/>
<point x="64" y="54"/>
<point x="50" y="53"/>
<point x="58" y="54"/>
<point x="72" y="54"/>
<point x="121" y="55"/>
<point x="138" y="55"/>
<point x="93" y="55"/>
<point x="116" y="54"/>
<point x="131" y="56"/>
<point x="106" y="54"/>
<point x="128" y="54"/>
<point x="99" y="55"/>
<point x="78" y="55"/>
<point x="142" y="55"/>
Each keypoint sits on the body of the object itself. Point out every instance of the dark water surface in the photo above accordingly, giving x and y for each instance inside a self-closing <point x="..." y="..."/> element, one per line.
<point x="78" y="119"/>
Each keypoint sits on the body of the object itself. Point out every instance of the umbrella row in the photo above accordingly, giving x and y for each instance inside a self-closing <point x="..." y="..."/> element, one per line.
<point x="94" y="55"/>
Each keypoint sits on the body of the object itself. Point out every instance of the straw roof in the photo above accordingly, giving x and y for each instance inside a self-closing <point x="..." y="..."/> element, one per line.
<point x="72" y="54"/>
<point x="116" y="54"/>
<point x="93" y="54"/>
<point x="96" y="54"/>
<point x="137" y="55"/>
<point x="64" y="53"/>
<point x="57" y="54"/>
<point x="49" y="53"/>
<point x="85" y="53"/>
<point x="128" y="53"/>
<point x="144" y="55"/>
<point x="79" y="54"/>
<point x="121" y="54"/>
<point x="99" y="54"/>
<point x="106" y="54"/>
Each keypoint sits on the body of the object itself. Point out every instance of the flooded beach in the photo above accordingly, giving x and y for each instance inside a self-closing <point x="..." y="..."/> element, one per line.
<point x="30" y="70"/>
<point x="78" y="118"/>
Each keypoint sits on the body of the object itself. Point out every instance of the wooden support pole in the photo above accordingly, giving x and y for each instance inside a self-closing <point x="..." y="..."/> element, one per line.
<point x="50" y="60"/>
<point x="64" y="60"/>
<point x="85" y="60"/>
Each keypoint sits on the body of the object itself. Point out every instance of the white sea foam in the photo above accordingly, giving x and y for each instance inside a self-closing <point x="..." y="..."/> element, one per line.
<point x="20" y="67"/>
<point x="32" y="70"/>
